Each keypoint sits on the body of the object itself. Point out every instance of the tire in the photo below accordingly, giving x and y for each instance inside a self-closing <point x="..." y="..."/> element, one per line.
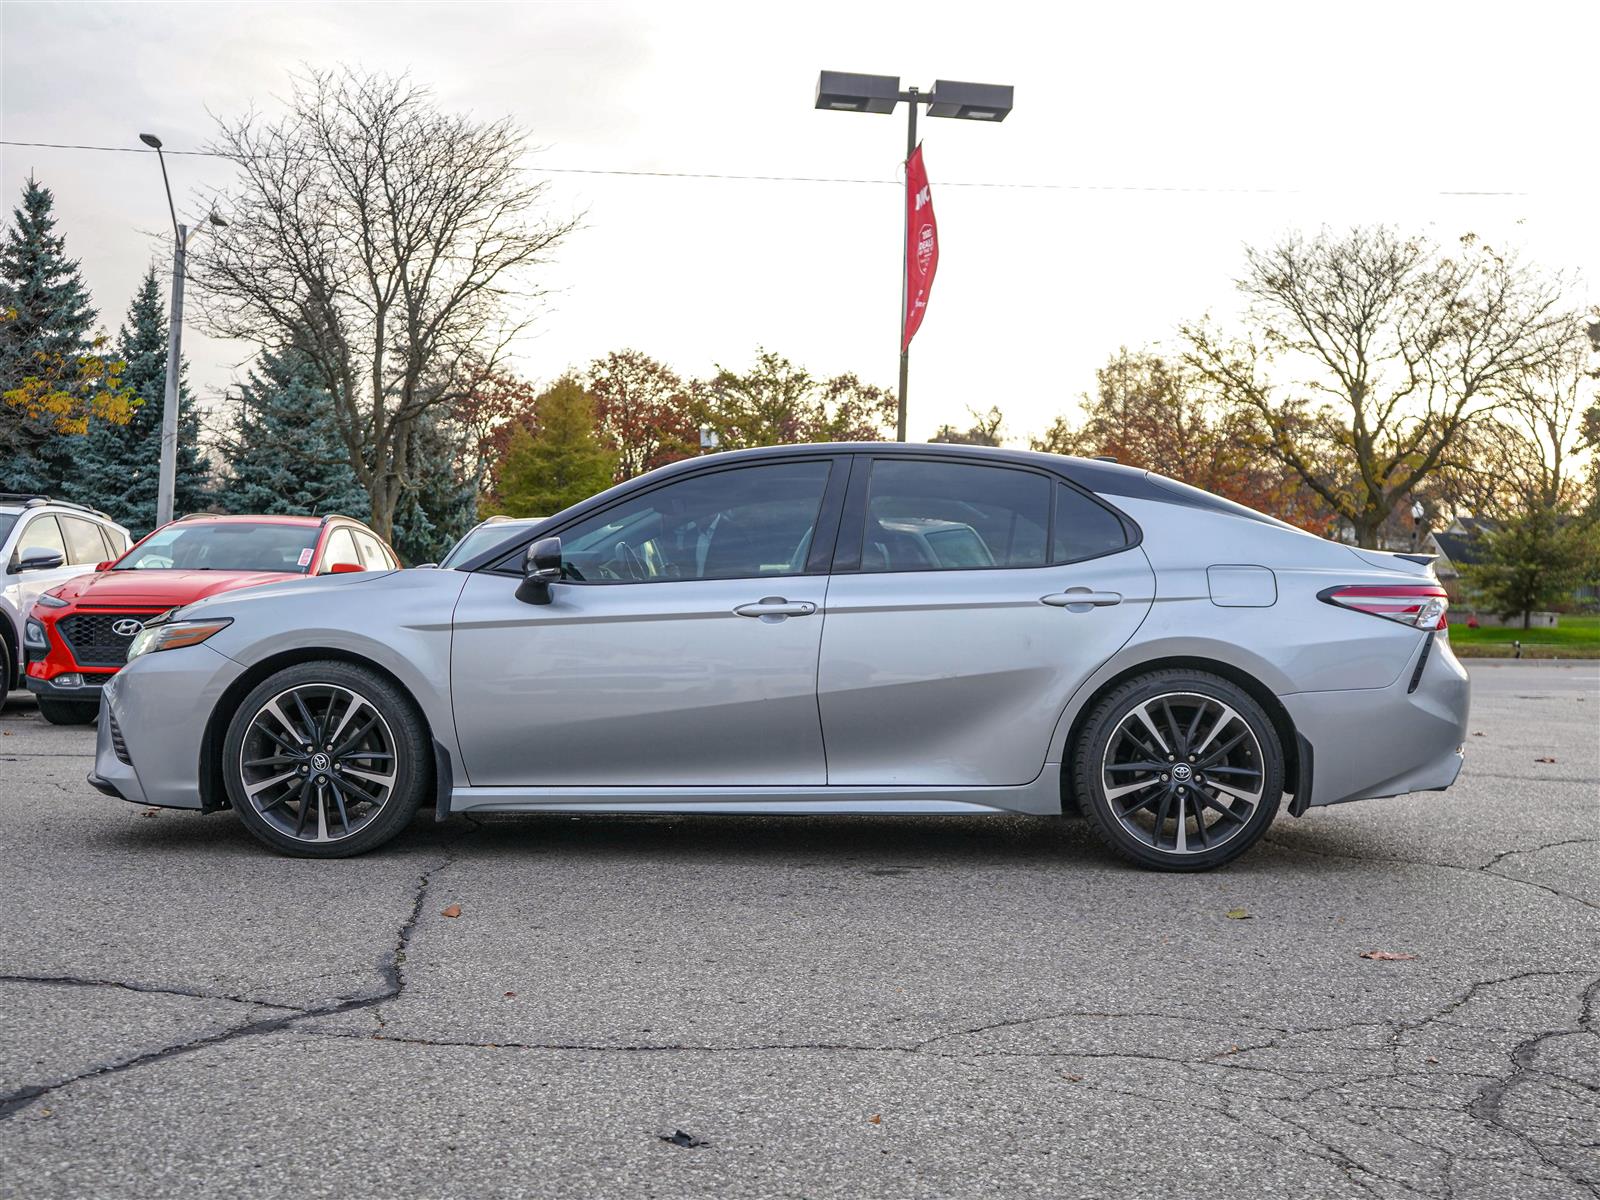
<point x="321" y="797"/>
<point x="8" y="669"/>
<point x="1193" y="793"/>
<point x="69" y="712"/>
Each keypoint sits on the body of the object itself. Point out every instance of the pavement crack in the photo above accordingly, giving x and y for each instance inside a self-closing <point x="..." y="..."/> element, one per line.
<point x="148" y="988"/>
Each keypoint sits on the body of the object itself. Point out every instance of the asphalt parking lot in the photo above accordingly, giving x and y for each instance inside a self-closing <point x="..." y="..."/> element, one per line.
<point x="820" y="1007"/>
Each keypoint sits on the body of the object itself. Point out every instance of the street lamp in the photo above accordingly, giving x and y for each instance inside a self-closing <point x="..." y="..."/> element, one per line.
<point x="168" y="482"/>
<point x="842" y="91"/>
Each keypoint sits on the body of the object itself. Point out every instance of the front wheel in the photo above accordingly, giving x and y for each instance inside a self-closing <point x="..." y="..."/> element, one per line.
<point x="326" y="760"/>
<point x="1179" y="770"/>
<point x="68" y="712"/>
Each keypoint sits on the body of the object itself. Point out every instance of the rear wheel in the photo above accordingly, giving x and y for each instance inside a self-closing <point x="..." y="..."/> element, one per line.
<point x="326" y="760"/>
<point x="8" y="677"/>
<point x="1179" y="770"/>
<point x="68" y="712"/>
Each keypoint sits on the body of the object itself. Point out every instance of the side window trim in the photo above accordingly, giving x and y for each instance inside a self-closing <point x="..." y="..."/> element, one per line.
<point x="853" y="538"/>
<point x="510" y="563"/>
<point x="39" y="522"/>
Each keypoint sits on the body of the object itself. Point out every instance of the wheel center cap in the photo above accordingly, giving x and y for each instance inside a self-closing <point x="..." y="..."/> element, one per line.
<point x="1181" y="772"/>
<point x="319" y="761"/>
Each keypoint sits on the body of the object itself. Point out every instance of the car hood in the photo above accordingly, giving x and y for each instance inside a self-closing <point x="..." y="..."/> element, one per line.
<point x="168" y="588"/>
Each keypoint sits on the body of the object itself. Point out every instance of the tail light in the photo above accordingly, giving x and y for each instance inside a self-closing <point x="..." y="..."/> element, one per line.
<point x="1422" y="605"/>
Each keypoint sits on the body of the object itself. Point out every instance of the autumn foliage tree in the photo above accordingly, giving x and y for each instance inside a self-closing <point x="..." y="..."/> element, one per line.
<point x="775" y="402"/>
<point x="1366" y="355"/>
<point x="644" y="411"/>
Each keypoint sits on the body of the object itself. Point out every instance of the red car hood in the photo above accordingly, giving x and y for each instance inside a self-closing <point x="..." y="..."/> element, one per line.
<point x="167" y="588"/>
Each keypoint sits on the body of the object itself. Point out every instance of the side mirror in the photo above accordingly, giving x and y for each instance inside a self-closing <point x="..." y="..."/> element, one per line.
<point x="40" y="559"/>
<point x="346" y="568"/>
<point x="540" y="569"/>
<point x="104" y="566"/>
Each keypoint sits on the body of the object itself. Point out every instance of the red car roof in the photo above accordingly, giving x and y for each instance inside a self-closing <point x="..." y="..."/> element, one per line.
<point x="266" y="518"/>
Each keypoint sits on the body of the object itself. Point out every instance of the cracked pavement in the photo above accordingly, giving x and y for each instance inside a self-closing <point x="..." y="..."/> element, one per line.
<point x="833" y="1006"/>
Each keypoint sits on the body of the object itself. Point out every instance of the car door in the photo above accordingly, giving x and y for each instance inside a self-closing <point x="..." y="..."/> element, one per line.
<point x="680" y="649"/>
<point x="969" y="600"/>
<point x="42" y="533"/>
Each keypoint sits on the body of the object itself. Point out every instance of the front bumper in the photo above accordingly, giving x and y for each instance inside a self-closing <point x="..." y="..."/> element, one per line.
<point x="1372" y="742"/>
<point x="160" y="705"/>
<point x="48" y="689"/>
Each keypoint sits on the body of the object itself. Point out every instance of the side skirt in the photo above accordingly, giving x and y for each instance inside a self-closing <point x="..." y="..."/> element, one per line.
<point x="1042" y="796"/>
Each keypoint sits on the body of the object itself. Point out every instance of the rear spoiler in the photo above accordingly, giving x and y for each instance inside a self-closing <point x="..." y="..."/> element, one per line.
<point x="1426" y="560"/>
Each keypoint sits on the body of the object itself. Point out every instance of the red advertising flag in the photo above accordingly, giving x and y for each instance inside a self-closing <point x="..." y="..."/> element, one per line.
<point x="922" y="246"/>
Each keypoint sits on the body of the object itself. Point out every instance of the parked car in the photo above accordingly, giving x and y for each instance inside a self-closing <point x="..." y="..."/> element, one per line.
<point x="763" y="632"/>
<point x="486" y="533"/>
<point x="44" y="542"/>
<point x="78" y="635"/>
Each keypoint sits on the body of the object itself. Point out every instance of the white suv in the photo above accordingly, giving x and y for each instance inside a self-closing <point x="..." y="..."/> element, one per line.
<point x="44" y="543"/>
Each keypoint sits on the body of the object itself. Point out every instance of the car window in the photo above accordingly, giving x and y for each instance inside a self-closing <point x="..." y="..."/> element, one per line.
<point x="42" y="533"/>
<point x="934" y="516"/>
<point x="1083" y="528"/>
<point x="83" y="541"/>
<point x="341" y="549"/>
<point x="224" y="546"/>
<point x="7" y="520"/>
<point x="745" y="523"/>
<point x="484" y="537"/>
<point x="115" y="542"/>
<point x="372" y="552"/>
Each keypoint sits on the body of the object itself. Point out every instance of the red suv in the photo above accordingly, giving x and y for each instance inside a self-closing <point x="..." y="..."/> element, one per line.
<point x="77" y="635"/>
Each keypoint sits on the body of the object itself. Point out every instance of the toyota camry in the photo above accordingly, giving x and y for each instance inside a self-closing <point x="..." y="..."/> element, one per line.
<point x="861" y="628"/>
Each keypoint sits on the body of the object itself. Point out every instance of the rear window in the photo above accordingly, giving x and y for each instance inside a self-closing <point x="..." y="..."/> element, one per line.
<point x="224" y="546"/>
<point x="1083" y="529"/>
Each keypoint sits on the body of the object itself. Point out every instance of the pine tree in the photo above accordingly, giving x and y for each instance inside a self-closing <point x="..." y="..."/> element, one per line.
<point x="48" y="319"/>
<point x="286" y="455"/>
<point x="560" y="463"/>
<point x="439" y="505"/>
<point x="120" y="465"/>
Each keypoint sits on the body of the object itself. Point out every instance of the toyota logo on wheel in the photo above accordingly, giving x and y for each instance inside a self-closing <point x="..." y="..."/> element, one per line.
<point x="127" y="627"/>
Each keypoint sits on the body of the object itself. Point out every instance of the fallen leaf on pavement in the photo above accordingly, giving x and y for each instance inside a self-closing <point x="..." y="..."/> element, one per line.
<point x="875" y="1119"/>
<point x="679" y="1138"/>
<point x="1546" y="758"/>
<point x="150" y="812"/>
<point x="1237" y="914"/>
<point x="1431" y="1059"/>
<point x="1387" y="956"/>
<point x="511" y="995"/>
<point x="1478" y="734"/>
<point x="453" y="911"/>
<point x="1073" y="1078"/>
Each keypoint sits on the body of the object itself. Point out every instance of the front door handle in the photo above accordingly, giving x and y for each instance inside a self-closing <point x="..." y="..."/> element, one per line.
<point x="776" y="608"/>
<point x="1081" y="599"/>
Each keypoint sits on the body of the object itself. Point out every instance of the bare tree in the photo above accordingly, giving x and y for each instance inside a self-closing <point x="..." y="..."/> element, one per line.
<point x="1369" y="354"/>
<point x="390" y="243"/>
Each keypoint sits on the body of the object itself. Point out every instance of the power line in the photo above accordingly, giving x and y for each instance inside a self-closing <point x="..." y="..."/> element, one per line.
<point x="730" y="177"/>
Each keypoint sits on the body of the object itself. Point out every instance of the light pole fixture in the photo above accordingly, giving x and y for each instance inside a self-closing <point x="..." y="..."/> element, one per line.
<point x="168" y="482"/>
<point x="842" y="91"/>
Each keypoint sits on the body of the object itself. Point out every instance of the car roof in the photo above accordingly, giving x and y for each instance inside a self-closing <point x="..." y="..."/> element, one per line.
<point x="263" y="519"/>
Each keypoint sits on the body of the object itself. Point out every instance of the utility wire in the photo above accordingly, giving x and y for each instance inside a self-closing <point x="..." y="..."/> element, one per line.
<point x="1054" y="187"/>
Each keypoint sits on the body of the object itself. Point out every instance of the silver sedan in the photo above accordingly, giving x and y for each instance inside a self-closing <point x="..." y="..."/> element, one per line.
<point x="817" y="629"/>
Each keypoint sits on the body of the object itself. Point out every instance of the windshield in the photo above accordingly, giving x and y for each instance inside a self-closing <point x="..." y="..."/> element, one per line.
<point x="484" y="537"/>
<point x="224" y="546"/>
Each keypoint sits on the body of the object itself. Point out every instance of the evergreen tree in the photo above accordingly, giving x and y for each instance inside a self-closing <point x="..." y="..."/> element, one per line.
<point x="47" y="322"/>
<point x="285" y="452"/>
<point x="561" y="462"/>
<point x="440" y="504"/>
<point x="120" y="465"/>
<point x="1534" y="560"/>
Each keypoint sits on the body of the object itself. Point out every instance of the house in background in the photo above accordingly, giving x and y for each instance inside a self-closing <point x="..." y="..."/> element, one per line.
<point x="1455" y="546"/>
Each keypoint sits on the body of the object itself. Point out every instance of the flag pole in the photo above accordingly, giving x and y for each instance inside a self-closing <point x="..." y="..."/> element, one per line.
<point x="905" y="265"/>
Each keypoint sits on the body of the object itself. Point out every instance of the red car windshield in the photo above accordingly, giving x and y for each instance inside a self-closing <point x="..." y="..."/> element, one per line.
<point x="224" y="546"/>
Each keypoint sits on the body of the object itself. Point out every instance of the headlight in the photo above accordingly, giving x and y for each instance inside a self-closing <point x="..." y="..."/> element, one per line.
<point x="49" y="601"/>
<point x="174" y="635"/>
<point x="34" y="637"/>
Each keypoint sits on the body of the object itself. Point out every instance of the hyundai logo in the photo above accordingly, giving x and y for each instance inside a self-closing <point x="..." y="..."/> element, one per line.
<point x="127" y="627"/>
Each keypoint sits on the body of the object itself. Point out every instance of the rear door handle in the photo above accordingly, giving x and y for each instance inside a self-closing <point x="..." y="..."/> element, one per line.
<point x="1081" y="599"/>
<point x="776" y="608"/>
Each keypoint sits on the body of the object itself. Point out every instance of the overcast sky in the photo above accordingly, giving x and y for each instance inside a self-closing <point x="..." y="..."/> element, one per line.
<point x="1246" y="120"/>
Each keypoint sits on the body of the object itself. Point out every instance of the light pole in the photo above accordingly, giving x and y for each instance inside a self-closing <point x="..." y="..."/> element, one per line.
<point x="842" y="91"/>
<point x="167" y="485"/>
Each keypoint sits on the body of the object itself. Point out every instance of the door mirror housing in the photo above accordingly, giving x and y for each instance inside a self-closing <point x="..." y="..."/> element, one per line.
<point x="540" y="569"/>
<point x="40" y="559"/>
<point x="104" y="566"/>
<point x="345" y="568"/>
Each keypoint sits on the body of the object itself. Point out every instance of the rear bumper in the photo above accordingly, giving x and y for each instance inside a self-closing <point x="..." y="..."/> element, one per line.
<point x="1373" y="742"/>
